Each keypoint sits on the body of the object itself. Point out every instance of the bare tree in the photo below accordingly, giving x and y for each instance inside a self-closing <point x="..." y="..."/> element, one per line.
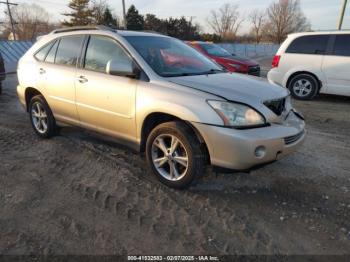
<point x="285" y="17"/>
<point x="226" y="21"/>
<point x="98" y="9"/>
<point x="257" y="19"/>
<point x="31" y="20"/>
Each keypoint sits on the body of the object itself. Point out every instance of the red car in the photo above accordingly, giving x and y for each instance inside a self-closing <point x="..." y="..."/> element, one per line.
<point x="229" y="61"/>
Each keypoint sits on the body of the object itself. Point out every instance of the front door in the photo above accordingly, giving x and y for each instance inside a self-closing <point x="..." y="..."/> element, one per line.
<point x="105" y="103"/>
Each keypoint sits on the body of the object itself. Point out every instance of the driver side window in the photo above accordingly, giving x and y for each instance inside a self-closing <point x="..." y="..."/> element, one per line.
<point x="100" y="51"/>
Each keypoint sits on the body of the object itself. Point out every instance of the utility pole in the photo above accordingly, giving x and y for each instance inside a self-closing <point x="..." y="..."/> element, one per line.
<point x="124" y="15"/>
<point x="341" y="17"/>
<point x="10" y="15"/>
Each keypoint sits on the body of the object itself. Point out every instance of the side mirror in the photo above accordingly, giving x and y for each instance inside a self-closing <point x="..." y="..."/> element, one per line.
<point x="121" y="68"/>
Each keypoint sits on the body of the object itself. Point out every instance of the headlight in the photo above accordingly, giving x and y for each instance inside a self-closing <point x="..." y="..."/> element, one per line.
<point x="237" y="115"/>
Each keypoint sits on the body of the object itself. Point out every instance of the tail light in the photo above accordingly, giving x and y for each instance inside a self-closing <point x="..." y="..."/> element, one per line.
<point x="276" y="61"/>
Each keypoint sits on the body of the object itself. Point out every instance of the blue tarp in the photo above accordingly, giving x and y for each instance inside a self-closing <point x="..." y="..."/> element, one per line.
<point x="12" y="51"/>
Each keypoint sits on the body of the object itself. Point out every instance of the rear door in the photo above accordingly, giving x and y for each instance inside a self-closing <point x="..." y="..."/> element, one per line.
<point x="59" y="72"/>
<point x="336" y="66"/>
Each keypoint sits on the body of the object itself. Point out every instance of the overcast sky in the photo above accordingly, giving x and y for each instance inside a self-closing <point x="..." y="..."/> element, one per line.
<point x="323" y="14"/>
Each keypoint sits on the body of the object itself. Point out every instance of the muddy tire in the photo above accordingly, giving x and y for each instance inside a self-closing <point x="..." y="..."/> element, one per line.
<point x="174" y="155"/>
<point x="41" y="117"/>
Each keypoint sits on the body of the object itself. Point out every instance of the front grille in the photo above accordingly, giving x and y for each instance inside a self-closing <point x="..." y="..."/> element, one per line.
<point x="254" y="70"/>
<point x="277" y="106"/>
<point x="292" y="139"/>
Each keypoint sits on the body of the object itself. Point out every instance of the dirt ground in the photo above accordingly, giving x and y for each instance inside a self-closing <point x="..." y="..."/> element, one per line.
<point x="80" y="194"/>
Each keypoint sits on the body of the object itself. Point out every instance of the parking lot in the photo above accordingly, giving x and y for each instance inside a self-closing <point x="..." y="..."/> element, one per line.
<point x="80" y="194"/>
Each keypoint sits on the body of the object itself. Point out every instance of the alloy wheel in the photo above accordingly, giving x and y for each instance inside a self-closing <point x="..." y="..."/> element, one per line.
<point x="169" y="157"/>
<point x="302" y="88"/>
<point x="39" y="118"/>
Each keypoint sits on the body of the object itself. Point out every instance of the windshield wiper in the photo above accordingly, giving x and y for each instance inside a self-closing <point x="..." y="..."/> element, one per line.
<point x="211" y="71"/>
<point x="175" y="75"/>
<point x="214" y="71"/>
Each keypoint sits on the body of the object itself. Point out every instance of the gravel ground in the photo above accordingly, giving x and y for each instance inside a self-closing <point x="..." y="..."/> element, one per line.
<point x="80" y="194"/>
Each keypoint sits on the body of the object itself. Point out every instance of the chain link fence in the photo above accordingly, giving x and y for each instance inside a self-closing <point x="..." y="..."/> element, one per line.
<point x="251" y="50"/>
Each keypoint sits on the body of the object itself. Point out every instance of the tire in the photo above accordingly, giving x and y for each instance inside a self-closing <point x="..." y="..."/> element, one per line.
<point x="44" y="127"/>
<point x="304" y="87"/>
<point x="187" y="146"/>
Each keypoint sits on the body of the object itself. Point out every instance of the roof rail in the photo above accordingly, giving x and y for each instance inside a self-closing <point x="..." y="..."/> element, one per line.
<point x="79" y="28"/>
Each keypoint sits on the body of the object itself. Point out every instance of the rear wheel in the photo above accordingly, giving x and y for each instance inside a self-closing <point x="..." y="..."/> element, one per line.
<point x="303" y="87"/>
<point x="174" y="155"/>
<point x="41" y="117"/>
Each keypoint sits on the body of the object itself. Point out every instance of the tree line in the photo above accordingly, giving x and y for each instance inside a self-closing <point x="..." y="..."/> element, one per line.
<point x="273" y="24"/>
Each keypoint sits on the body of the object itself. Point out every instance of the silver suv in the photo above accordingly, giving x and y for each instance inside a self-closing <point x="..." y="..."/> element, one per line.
<point x="160" y="96"/>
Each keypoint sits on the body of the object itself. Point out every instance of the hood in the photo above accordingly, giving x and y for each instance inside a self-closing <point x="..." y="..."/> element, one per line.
<point x="233" y="87"/>
<point x="238" y="59"/>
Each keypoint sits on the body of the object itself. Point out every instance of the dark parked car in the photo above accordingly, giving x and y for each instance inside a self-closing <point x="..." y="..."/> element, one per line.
<point x="2" y="72"/>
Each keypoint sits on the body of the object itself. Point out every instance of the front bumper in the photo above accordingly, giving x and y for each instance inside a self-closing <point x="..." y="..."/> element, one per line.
<point x="236" y="149"/>
<point x="254" y="70"/>
<point x="21" y="96"/>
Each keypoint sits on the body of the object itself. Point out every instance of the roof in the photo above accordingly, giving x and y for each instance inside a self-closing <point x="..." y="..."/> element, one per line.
<point x="138" y="33"/>
<point x="329" y="32"/>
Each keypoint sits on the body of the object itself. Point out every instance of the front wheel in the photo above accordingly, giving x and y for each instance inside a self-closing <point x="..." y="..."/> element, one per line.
<point x="174" y="155"/>
<point x="41" y="117"/>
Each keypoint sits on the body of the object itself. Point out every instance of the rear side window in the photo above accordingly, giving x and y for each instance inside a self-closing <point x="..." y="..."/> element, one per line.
<point x="342" y="45"/>
<point x="50" y="58"/>
<point x="68" y="50"/>
<point x="311" y="44"/>
<point x="41" y="54"/>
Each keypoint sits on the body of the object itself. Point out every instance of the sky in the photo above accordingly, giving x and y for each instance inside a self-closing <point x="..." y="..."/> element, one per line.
<point x="323" y="14"/>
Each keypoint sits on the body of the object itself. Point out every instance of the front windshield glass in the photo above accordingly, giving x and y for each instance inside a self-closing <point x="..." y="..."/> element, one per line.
<point x="171" y="57"/>
<point x="215" y="50"/>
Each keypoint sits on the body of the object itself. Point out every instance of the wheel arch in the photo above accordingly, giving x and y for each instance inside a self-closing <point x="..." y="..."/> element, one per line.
<point x="156" y="118"/>
<point x="29" y="93"/>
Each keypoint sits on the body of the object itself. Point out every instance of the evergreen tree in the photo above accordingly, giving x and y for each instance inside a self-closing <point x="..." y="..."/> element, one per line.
<point x="81" y="14"/>
<point x="108" y="19"/>
<point x="153" y="23"/>
<point x="134" y="21"/>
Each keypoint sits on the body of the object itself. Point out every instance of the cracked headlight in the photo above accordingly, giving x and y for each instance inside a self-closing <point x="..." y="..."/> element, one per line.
<point x="237" y="115"/>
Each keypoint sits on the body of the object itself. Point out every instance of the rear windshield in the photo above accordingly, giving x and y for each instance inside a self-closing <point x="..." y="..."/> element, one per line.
<point x="310" y="44"/>
<point x="215" y="50"/>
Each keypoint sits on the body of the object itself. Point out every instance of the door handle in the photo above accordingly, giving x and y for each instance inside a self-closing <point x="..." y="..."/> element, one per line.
<point x="82" y="79"/>
<point x="42" y="71"/>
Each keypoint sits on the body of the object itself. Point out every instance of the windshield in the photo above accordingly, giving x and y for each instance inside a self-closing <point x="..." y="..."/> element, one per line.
<point x="171" y="57"/>
<point x="215" y="50"/>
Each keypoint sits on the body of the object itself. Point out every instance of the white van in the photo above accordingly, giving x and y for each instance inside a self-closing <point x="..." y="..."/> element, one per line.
<point x="312" y="63"/>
